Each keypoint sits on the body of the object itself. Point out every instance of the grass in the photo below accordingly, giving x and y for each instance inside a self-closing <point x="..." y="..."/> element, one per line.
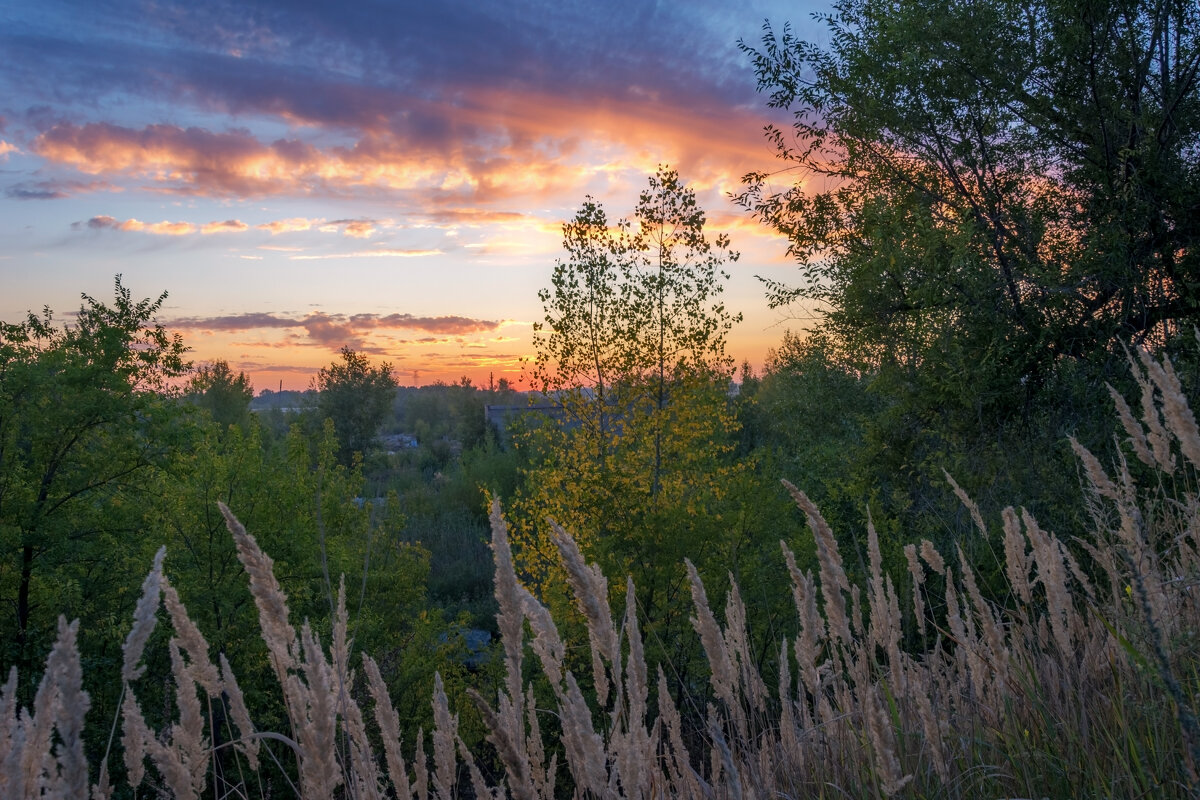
<point x="1084" y="682"/>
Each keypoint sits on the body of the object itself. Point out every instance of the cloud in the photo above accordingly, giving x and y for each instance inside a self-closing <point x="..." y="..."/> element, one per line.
<point x="335" y="331"/>
<point x="356" y="228"/>
<point x="290" y="225"/>
<point x="359" y="230"/>
<point x="455" y="116"/>
<point x="224" y="226"/>
<point x="322" y="327"/>
<point x="54" y="189"/>
<point x="21" y="192"/>
<point x="235" y="322"/>
<point x="466" y="360"/>
<point x="254" y="366"/>
<point x="447" y="324"/>
<point x="100" y="223"/>
<point x="471" y="217"/>
<point x="185" y="160"/>
<point x="383" y="252"/>
<point x="473" y="145"/>
<point x="164" y="228"/>
<point x="316" y="62"/>
<point x="6" y="148"/>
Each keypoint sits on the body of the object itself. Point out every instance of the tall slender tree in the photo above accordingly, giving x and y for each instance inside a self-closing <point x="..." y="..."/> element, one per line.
<point x="632" y="352"/>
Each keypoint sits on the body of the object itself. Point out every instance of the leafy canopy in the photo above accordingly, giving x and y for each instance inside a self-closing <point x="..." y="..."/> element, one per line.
<point x="632" y="355"/>
<point x="989" y="186"/>
<point x="83" y="425"/>
<point x="225" y="396"/>
<point x="636" y="299"/>
<point x="358" y="398"/>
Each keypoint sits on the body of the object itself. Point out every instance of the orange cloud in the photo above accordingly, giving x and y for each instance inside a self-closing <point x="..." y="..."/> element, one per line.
<point x="136" y="225"/>
<point x="355" y="228"/>
<point x="225" y="226"/>
<point x="289" y="225"/>
<point x="511" y="143"/>
<point x="164" y="228"/>
<point x="191" y="160"/>
<point x="6" y="148"/>
<point x="359" y="229"/>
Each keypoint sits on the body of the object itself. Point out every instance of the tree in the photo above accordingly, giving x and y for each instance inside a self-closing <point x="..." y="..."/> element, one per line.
<point x="225" y="396"/>
<point x="357" y="397"/>
<point x="987" y="188"/>
<point x="636" y="463"/>
<point x="83" y="426"/>
<point x="629" y="316"/>
<point x="988" y="200"/>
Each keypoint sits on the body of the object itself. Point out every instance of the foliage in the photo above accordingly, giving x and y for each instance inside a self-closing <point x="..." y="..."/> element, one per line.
<point x="308" y="508"/>
<point x="985" y="188"/>
<point x="988" y="199"/>
<point x="810" y="419"/>
<point x="357" y="397"/>
<point x="1082" y="683"/>
<point x="102" y="463"/>
<point x="638" y="454"/>
<point x="1036" y="158"/>
<point x="638" y="301"/>
<point x="225" y="396"/>
<point x="84" y="427"/>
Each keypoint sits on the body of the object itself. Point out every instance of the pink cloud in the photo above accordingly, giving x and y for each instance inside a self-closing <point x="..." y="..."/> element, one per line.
<point x="359" y="229"/>
<point x="187" y="160"/>
<point x="225" y="226"/>
<point x="486" y="145"/>
<point x="290" y="225"/>
<point x="164" y="228"/>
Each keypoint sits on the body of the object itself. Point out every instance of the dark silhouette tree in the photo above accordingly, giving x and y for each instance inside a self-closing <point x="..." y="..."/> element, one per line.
<point x="983" y="189"/>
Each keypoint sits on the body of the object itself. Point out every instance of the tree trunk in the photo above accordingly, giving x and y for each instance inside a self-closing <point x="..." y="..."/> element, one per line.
<point x="23" y="659"/>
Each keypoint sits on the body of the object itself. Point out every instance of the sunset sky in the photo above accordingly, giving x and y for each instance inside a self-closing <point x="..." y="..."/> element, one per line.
<point x="392" y="176"/>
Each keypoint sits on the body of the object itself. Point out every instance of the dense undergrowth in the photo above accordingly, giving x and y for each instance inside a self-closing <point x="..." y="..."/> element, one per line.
<point x="1079" y="679"/>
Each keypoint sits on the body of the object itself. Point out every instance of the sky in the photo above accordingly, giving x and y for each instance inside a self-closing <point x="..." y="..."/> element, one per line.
<point x="302" y="176"/>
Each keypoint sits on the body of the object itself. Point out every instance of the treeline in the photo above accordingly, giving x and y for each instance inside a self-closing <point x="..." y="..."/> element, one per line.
<point x="112" y="446"/>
